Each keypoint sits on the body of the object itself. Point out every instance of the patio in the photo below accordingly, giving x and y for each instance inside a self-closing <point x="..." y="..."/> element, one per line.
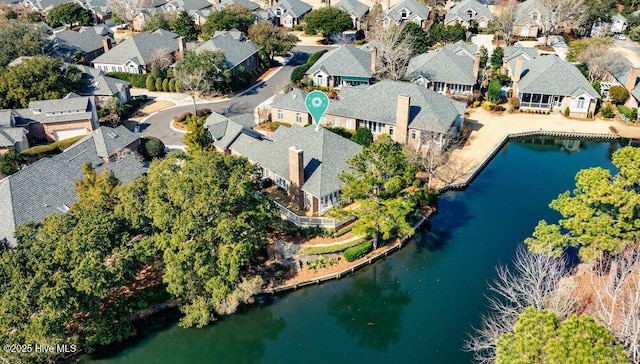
<point x="283" y="199"/>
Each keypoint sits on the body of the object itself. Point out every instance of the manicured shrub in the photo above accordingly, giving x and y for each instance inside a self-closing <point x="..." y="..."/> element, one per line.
<point x="315" y="57"/>
<point x="165" y="85"/>
<point x="182" y="118"/>
<point x="606" y="112"/>
<point x="343" y="231"/>
<point x="357" y="251"/>
<point x="178" y="86"/>
<point x="135" y="79"/>
<point x="158" y="84"/>
<point x="494" y="94"/>
<point x="151" y="147"/>
<point x="53" y="148"/>
<point x="567" y="111"/>
<point x="298" y="73"/>
<point x="203" y="112"/>
<point x="618" y="95"/>
<point x="348" y="134"/>
<point x="172" y="85"/>
<point x="151" y="83"/>
<point x="276" y="124"/>
<point x="363" y="136"/>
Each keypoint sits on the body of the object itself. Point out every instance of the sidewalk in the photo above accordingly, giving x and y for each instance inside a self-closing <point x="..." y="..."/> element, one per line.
<point x="489" y="130"/>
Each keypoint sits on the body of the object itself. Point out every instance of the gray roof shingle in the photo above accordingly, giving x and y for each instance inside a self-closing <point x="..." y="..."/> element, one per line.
<point x="526" y="9"/>
<point x="96" y="83"/>
<point x="9" y="136"/>
<point x="459" y="11"/>
<point x="325" y="156"/>
<point x="415" y="9"/>
<point x="345" y="60"/>
<point x="246" y="3"/>
<point x="44" y="187"/>
<point x="442" y="66"/>
<point x="295" y="8"/>
<point x="235" y="51"/>
<point x="353" y="7"/>
<point x="541" y="75"/>
<point x="87" y="40"/>
<point x="140" y="48"/>
<point x="59" y="110"/>
<point x="225" y="131"/>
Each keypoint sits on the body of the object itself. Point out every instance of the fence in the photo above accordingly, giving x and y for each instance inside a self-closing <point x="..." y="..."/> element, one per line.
<point x="311" y="221"/>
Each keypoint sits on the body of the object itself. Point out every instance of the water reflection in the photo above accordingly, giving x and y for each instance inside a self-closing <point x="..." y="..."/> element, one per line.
<point x="552" y="144"/>
<point x="371" y="309"/>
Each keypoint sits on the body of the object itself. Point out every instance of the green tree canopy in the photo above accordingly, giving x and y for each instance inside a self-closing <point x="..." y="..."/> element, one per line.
<point x="233" y="16"/>
<point x="39" y="78"/>
<point x="380" y="170"/>
<point x="183" y="24"/>
<point x="618" y="94"/>
<point x="197" y="137"/>
<point x="417" y="36"/>
<point x="601" y="215"/>
<point x="327" y="21"/>
<point x="70" y="14"/>
<point x="210" y="223"/>
<point x="541" y="337"/>
<point x="363" y="136"/>
<point x="496" y="57"/>
<point x="20" y="39"/>
<point x="272" y="39"/>
<point x="439" y="33"/>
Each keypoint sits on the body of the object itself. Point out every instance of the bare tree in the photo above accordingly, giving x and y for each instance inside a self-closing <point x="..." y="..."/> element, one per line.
<point x="160" y="57"/>
<point x="503" y="21"/>
<point x="194" y="82"/>
<point x="126" y="10"/>
<point x="394" y="51"/>
<point x="560" y="14"/>
<point x="598" y="58"/>
<point x="617" y="301"/>
<point x="533" y="282"/>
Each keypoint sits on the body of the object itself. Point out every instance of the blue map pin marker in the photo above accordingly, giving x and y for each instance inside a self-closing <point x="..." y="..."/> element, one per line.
<point x="317" y="103"/>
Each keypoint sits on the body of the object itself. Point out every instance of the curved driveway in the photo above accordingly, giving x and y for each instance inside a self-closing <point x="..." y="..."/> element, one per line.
<point x="158" y="124"/>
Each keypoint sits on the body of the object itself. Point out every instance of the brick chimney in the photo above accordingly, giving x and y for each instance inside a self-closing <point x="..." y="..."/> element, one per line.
<point x="106" y="44"/>
<point x="517" y="73"/>
<point x="402" y="119"/>
<point x="476" y="65"/>
<point x="632" y="78"/>
<point x="296" y="176"/>
<point x="374" y="60"/>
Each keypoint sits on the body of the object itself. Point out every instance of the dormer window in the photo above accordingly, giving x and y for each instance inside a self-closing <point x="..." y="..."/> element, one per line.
<point x="469" y="13"/>
<point x="535" y="16"/>
<point x="404" y="14"/>
<point x="278" y="12"/>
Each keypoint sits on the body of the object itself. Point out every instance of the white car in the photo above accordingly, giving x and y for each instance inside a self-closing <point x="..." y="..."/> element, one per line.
<point x="621" y="37"/>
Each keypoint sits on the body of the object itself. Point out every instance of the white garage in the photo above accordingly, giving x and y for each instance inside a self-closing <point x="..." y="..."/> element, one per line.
<point x="68" y="133"/>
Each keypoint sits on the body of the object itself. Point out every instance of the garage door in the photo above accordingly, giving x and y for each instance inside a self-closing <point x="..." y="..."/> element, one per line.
<point x="69" y="133"/>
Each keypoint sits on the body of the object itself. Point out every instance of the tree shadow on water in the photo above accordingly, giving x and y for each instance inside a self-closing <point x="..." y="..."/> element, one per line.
<point x="370" y="311"/>
<point x="437" y="232"/>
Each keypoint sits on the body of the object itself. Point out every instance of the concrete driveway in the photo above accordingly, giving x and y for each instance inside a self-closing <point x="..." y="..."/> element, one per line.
<point x="157" y="124"/>
<point x="628" y="48"/>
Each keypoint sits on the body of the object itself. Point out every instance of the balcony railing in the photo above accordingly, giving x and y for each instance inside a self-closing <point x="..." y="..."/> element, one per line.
<point x="311" y="221"/>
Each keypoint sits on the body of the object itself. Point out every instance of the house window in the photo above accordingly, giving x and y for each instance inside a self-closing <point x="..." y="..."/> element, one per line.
<point x="535" y="16"/>
<point x="319" y="80"/>
<point x="278" y="12"/>
<point x="376" y="128"/>
<point x="413" y="134"/>
<point x="280" y="115"/>
<point x="470" y="13"/>
<point x="298" y="118"/>
<point x="281" y="182"/>
<point x="404" y="14"/>
<point x="324" y="119"/>
<point x="348" y="124"/>
<point x="391" y="130"/>
<point x="580" y="102"/>
<point x="336" y="121"/>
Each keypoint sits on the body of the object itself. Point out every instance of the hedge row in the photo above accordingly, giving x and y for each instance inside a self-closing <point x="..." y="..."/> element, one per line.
<point x="135" y="79"/>
<point x="331" y="248"/>
<point x="357" y="251"/>
<point x="53" y="148"/>
<point x="315" y="57"/>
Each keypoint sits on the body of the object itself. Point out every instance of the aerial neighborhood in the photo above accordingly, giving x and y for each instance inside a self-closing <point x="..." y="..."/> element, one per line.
<point x="192" y="154"/>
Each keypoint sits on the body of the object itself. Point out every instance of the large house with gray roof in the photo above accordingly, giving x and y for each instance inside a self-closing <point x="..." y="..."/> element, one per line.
<point x="345" y="65"/>
<point x="407" y="11"/>
<point x="445" y="72"/>
<point x="410" y="113"/>
<point x="530" y="18"/>
<point x="89" y="42"/>
<point x="47" y="186"/>
<point x="11" y="136"/>
<point x="285" y="13"/>
<point x="621" y="72"/>
<point x="467" y="11"/>
<point x="58" y="119"/>
<point x="238" y="51"/>
<point x="356" y="9"/>
<point x="135" y="54"/>
<point x="96" y="83"/>
<point x="304" y="162"/>
<point x="512" y="53"/>
<point x="538" y="87"/>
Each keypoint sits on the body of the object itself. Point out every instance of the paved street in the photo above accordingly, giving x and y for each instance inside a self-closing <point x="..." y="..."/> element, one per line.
<point x="629" y="49"/>
<point x="158" y="124"/>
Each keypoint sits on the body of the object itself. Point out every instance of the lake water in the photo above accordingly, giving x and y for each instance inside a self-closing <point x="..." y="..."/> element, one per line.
<point x="417" y="305"/>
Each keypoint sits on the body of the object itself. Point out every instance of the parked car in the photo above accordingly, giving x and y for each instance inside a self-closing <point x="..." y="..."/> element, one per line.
<point x="621" y="37"/>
